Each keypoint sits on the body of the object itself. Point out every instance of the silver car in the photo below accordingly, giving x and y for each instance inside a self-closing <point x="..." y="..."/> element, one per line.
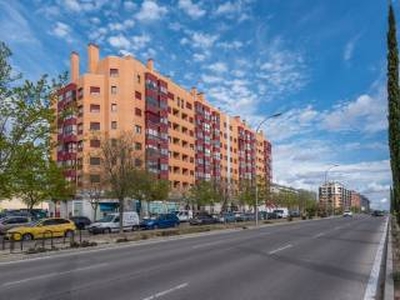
<point x="11" y="222"/>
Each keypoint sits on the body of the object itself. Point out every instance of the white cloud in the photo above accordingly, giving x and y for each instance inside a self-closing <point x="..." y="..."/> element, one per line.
<point x="234" y="45"/>
<point x="127" y="24"/>
<point x="235" y="9"/>
<point x="349" y="48"/>
<point x="282" y="71"/>
<point x="199" y="57"/>
<point x="203" y="40"/>
<point x="62" y="30"/>
<point x="218" y="67"/>
<point x="366" y="113"/>
<point x="129" y="5"/>
<point x="119" y="41"/>
<point x="72" y="5"/>
<point x="227" y="8"/>
<point x="140" y="41"/>
<point x="193" y="10"/>
<point x="150" y="11"/>
<point x="211" y="79"/>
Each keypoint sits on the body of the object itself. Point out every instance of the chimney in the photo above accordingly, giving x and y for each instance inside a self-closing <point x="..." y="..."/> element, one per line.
<point x="150" y="64"/>
<point x="93" y="57"/>
<point x="193" y="91"/>
<point x="200" y="96"/>
<point x="74" y="66"/>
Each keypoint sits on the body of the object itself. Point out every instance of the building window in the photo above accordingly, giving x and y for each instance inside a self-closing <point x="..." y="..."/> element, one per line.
<point x="80" y="110"/>
<point x="138" y="95"/>
<point x="114" y="73"/>
<point x="138" y="112"/>
<point x="95" y="161"/>
<point x="94" y="178"/>
<point x="138" y="146"/>
<point x="113" y="89"/>
<point x="94" y="108"/>
<point x="113" y="107"/>
<point x="138" y="78"/>
<point x="94" y="90"/>
<point x="95" y="143"/>
<point x="80" y="128"/>
<point x="138" y="129"/>
<point x="114" y="125"/>
<point x="94" y="126"/>
<point x="188" y="105"/>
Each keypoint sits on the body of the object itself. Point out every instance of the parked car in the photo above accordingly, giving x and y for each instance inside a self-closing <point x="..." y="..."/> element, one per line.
<point x="227" y="217"/>
<point x="53" y="227"/>
<point x="184" y="215"/>
<point x="81" y="222"/>
<point x="347" y="213"/>
<point x="203" y="219"/>
<point x="161" y="221"/>
<point x="377" y="213"/>
<point x="11" y="222"/>
<point x="272" y="216"/>
<point x="294" y="214"/>
<point x="282" y="212"/>
<point x="110" y="223"/>
<point x="245" y="217"/>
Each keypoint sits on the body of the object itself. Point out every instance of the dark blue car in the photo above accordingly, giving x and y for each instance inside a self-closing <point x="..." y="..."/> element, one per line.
<point x="161" y="221"/>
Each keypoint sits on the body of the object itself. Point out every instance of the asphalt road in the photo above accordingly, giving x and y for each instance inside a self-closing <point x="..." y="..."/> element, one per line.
<point x="325" y="259"/>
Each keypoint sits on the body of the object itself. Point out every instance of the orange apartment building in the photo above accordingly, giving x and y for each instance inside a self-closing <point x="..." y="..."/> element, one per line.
<point x="183" y="138"/>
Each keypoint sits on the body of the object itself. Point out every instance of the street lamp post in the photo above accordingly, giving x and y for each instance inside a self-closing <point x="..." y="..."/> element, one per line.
<point x="256" y="188"/>
<point x="326" y="182"/>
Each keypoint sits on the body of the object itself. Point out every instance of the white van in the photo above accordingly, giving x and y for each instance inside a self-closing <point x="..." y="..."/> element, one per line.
<point x="110" y="223"/>
<point x="185" y="215"/>
<point x="281" y="212"/>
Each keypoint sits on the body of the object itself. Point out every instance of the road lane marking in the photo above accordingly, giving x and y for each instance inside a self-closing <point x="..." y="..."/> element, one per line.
<point x="318" y="235"/>
<point x="206" y="244"/>
<point x="163" y="293"/>
<point x="53" y="274"/>
<point x="337" y="228"/>
<point x="373" y="282"/>
<point x="280" y="249"/>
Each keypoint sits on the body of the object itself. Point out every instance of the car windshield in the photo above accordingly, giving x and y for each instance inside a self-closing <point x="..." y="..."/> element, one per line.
<point x="106" y="219"/>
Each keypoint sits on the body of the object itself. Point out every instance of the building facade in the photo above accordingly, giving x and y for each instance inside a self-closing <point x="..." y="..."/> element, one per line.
<point x="355" y="200"/>
<point x="334" y="195"/>
<point x="182" y="137"/>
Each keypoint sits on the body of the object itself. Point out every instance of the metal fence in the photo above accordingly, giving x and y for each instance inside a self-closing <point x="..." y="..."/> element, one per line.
<point x="47" y="241"/>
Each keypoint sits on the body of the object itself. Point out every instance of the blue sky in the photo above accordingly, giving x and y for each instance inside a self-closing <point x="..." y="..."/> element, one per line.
<point x="322" y="63"/>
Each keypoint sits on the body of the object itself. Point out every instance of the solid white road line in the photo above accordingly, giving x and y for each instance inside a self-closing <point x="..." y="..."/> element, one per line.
<point x="163" y="293"/>
<point x="280" y="249"/>
<point x="372" y="286"/>
<point x="53" y="274"/>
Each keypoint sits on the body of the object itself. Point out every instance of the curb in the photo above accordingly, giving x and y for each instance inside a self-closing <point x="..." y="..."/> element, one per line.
<point x="389" y="283"/>
<point x="372" y="291"/>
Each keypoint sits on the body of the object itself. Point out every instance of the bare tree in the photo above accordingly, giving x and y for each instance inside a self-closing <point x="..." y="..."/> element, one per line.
<point x="119" y="162"/>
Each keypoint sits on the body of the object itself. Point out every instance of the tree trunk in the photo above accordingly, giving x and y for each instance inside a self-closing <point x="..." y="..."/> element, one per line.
<point x="121" y="215"/>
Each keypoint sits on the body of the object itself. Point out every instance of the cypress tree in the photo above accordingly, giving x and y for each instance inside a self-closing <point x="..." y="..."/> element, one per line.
<point x="393" y="104"/>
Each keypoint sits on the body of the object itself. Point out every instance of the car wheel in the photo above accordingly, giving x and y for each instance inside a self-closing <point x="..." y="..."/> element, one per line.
<point x="155" y="227"/>
<point x="135" y="228"/>
<point x="27" y="237"/>
<point x="68" y="233"/>
<point x="176" y="225"/>
<point x="107" y="230"/>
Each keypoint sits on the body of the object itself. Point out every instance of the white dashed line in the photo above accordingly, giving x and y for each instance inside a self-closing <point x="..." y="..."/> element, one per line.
<point x="163" y="293"/>
<point x="280" y="249"/>
<point x="318" y="235"/>
<point x="53" y="274"/>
